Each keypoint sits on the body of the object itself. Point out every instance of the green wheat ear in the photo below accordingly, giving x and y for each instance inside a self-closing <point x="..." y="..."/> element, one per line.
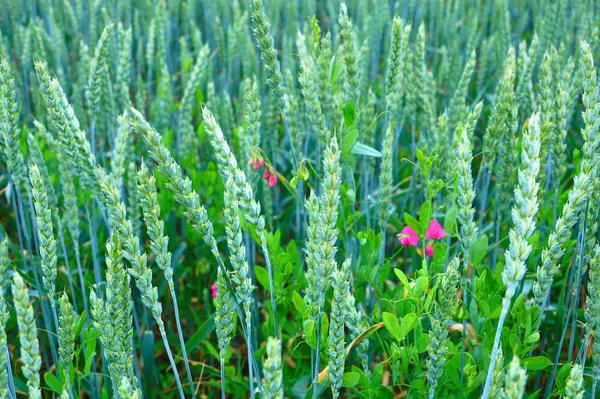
<point x="4" y="316"/>
<point x="30" y="346"/>
<point x="66" y="338"/>
<point x="273" y="381"/>
<point x="574" y="388"/>
<point x="45" y="231"/>
<point x="514" y="380"/>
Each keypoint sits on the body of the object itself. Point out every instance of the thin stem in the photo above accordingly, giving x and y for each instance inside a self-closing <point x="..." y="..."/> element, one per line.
<point x="81" y="281"/>
<point x="223" y="378"/>
<point x="63" y="246"/>
<point x="263" y="243"/>
<point x="317" y="353"/>
<point x="181" y="340"/>
<point x="490" y="374"/>
<point x="250" y="355"/>
<point x="464" y="322"/>
<point x="163" y="334"/>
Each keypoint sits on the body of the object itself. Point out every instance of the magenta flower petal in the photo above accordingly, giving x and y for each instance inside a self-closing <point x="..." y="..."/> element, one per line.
<point x="258" y="163"/>
<point x="408" y="237"/>
<point x="272" y="180"/>
<point x="213" y="290"/>
<point x="429" y="250"/>
<point x="435" y="230"/>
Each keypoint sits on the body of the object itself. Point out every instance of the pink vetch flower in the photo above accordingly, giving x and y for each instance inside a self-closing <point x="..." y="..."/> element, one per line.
<point x="435" y="231"/>
<point x="272" y="180"/>
<point x="213" y="290"/>
<point x="408" y="237"/>
<point x="258" y="163"/>
<point x="429" y="250"/>
<point x="266" y="175"/>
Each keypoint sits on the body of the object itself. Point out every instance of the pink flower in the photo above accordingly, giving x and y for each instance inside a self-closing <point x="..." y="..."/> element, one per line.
<point x="266" y="175"/>
<point x="258" y="163"/>
<point x="272" y="180"/>
<point x="408" y="237"/>
<point x="429" y="250"/>
<point x="213" y="290"/>
<point x="435" y="231"/>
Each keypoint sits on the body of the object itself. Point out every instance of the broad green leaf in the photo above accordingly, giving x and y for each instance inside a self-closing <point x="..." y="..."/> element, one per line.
<point x="479" y="250"/>
<point x="391" y="324"/>
<point x="533" y="338"/>
<point x="362" y="149"/>
<point x="450" y="219"/>
<point x="148" y="355"/>
<point x="420" y="155"/>
<point x="53" y="382"/>
<point x="536" y="363"/>
<point x="420" y="286"/>
<point x="298" y="302"/>
<point x="408" y="323"/>
<point x="262" y="276"/>
<point x="425" y="215"/>
<point x="324" y="327"/>
<point x="309" y="333"/>
<point x="402" y="277"/>
<point x="348" y="141"/>
<point x="349" y="113"/>
<point x="351" y="378"/>
<point x="412" y="223"/>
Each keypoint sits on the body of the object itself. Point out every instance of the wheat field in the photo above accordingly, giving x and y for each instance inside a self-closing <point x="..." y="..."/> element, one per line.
<point x="299" y="199"/>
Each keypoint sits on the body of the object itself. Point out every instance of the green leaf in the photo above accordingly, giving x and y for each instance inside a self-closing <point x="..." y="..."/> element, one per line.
<point x="450" y="219"/>
<point x="324" y="327"/>
<point x="535" y="394"/>
<point x="80" y="323"/>
<point x="408" y="323"/>
<point x="391" y="323"/>
<point x="377" y="376"/>
<point x="425" y="215"/>
<point x="309" y="333"/>
<point x="349" y="113"/>
<point x="402" y="278"/>
<point x="533" y="338"/>
<point x="262" y="275"/>
<point x="420" y="286"/>
<point x="148" y="356"/>
<point x="384" y="392"/>
<point x="351" y="378"/>
<point x="90" y="353"/>
<point x="348" y="141"/>
<point x="430" y="297"/>
<point x="206" y="328"/>
<point x="211" y="349"/>
<point x="420" y="155"/>
<point x="412" y="223"/>
<point x="479" y="250"/>
<point x="298" y="303"/>
<point x="362" y="149"/>
<point x="536" y="363"/>
<point x="53" y="382"/>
